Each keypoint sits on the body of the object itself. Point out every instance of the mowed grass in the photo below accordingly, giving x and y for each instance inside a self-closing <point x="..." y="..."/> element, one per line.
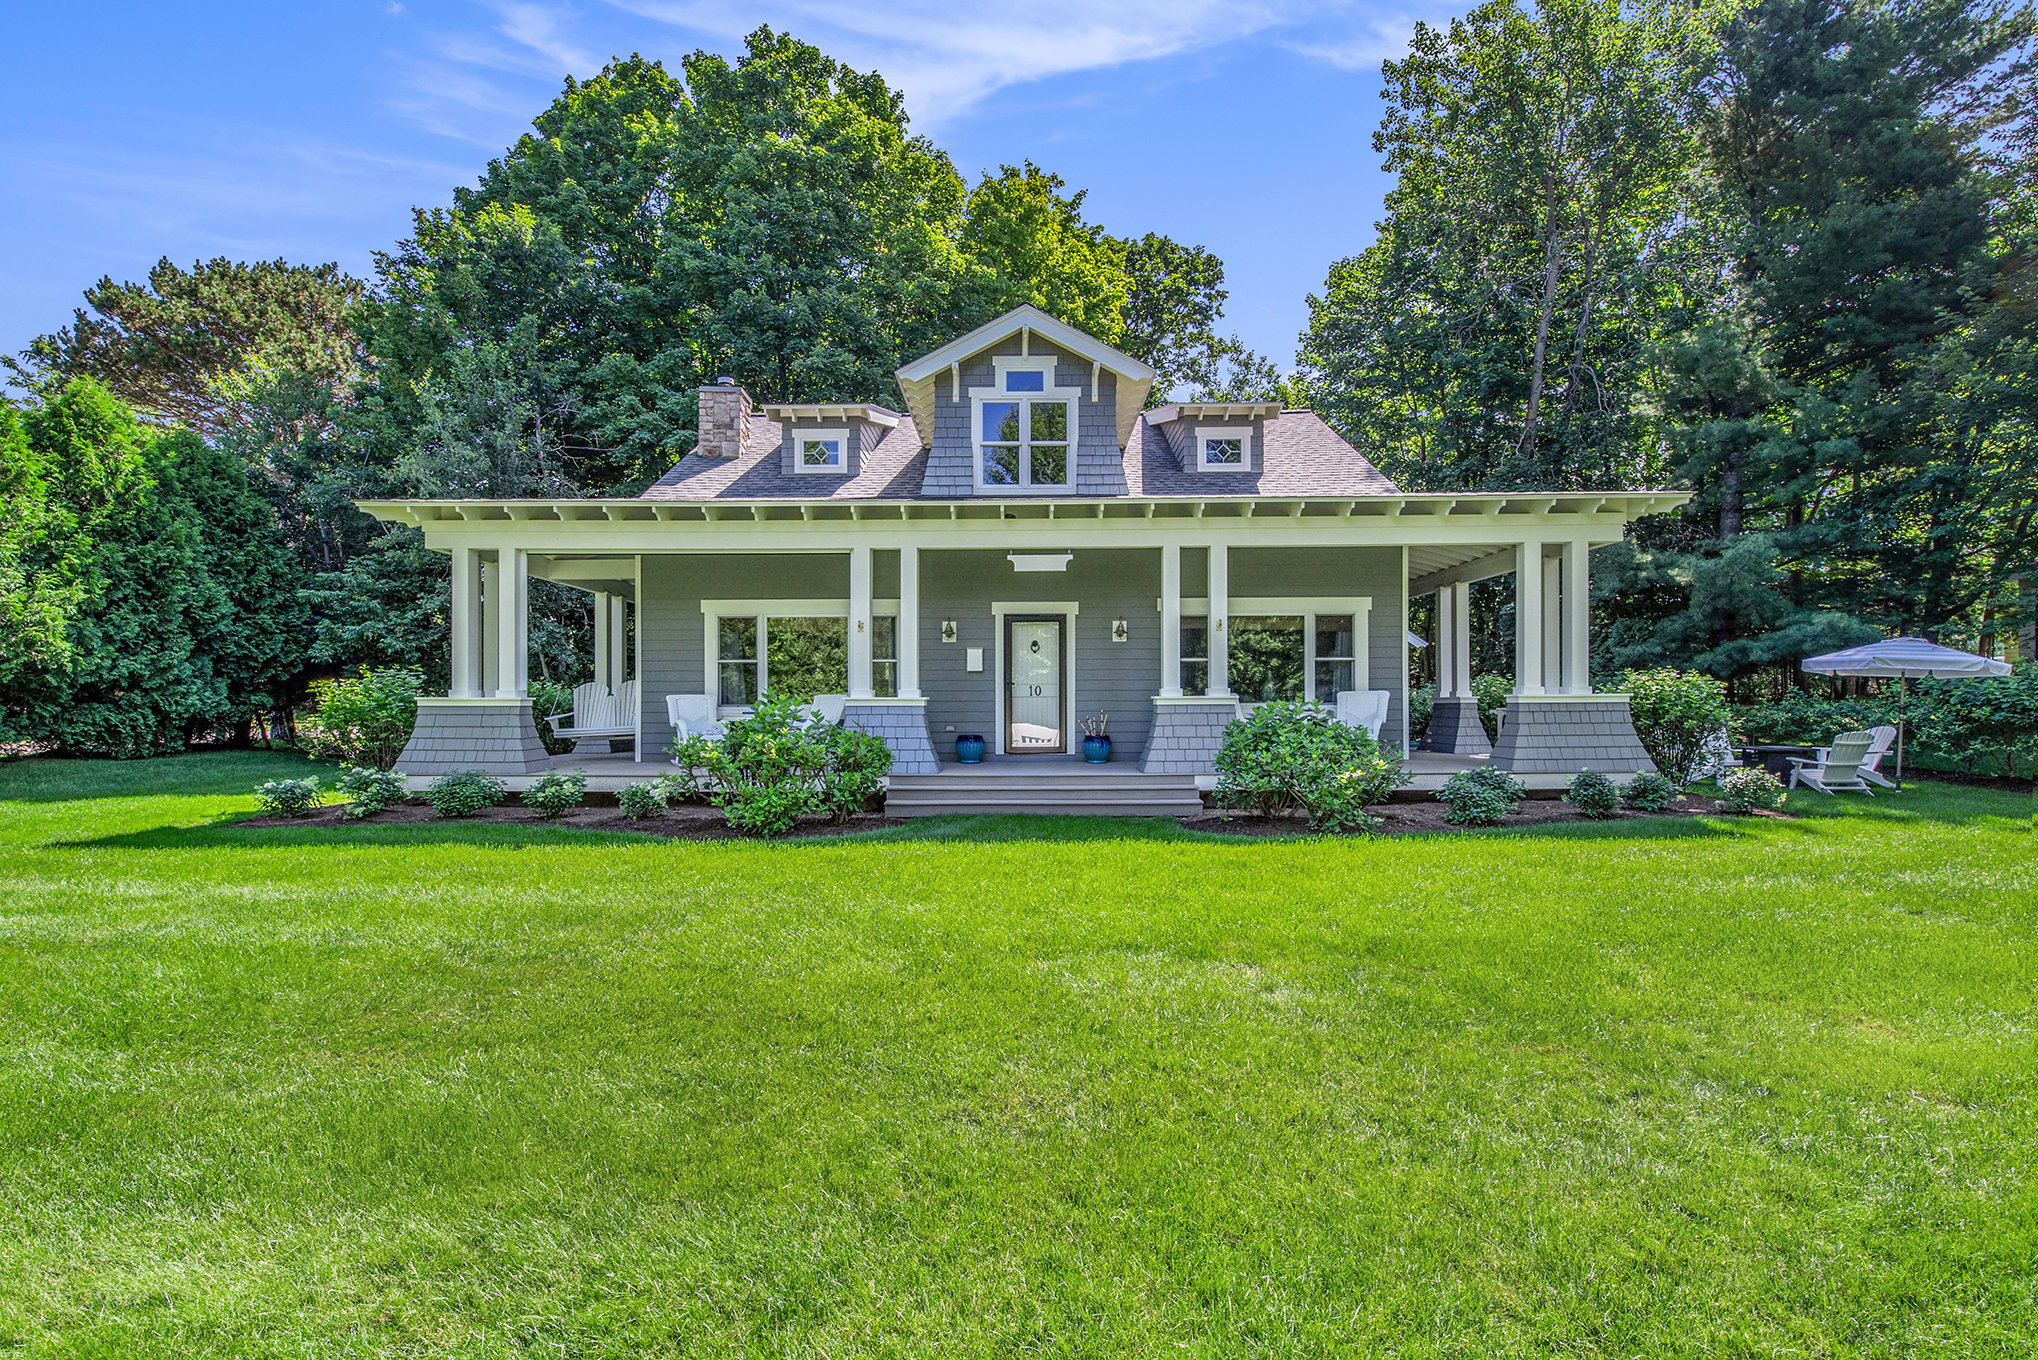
<point x="1711" y="1088"/>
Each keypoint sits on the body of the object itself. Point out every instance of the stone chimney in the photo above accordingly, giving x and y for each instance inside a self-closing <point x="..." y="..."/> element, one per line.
<point x="724" y="421"/>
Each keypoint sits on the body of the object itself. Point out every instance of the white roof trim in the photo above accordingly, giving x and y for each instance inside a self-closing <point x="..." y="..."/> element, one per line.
<point x="869" y="414"/>
<point x="1214" y="410"/>
<point x="1025" y="317"/>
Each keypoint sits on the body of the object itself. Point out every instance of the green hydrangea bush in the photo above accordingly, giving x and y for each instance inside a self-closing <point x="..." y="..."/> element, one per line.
<point x="464" y="793"/>
<point x="1676" y="714"/>
<point x="1284" y="756"/>
<point x="780" y="764"/>
<point x="1652" y="792"/>
<point x="288" y="797"/>
<point x="369" y="790"/>
<point x="1481" y="797"/>
<point x="1594" y="795"/>
<point x="1750" y="789"/>
<point x="557" y="792"/>
<point x="639" y="801"/>
<point x="367" y="717"/>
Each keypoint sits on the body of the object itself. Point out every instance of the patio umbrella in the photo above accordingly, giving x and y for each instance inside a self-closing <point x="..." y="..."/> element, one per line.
<point x="1902" y="658"/>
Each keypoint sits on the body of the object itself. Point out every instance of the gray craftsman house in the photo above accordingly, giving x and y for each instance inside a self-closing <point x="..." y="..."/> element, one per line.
<point x="1009" y="546"/>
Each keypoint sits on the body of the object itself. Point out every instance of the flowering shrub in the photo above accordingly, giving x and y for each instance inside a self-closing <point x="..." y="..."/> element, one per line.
<point x="1676" y="713"/>
<point x="288" y="797"/>
<point x="1284" y="756"/>
<point x="464" y="793"/>
<point x="366" y="717"/>
<point x="768" y="770"/>
<point x="1480" y="797"/>
<point x="1594" y="795"/>
<point x="1750" y="790"/>
<point x="368" y="790"/>
<point x="556" y="791"/>
<point x="1652" y="792"/>
<point x="639" y="801"/>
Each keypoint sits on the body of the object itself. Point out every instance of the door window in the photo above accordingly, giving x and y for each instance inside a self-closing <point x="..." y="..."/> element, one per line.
<point x="1033" y="702"/>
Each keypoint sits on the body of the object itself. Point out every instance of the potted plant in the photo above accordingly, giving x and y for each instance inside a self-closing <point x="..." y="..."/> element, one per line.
<point x="969" y="749"/>
<point x="1096" y="745"/>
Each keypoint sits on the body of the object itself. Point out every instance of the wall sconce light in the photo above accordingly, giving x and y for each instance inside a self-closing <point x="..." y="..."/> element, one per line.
<point x="1119" y="632"/>
<point x="948" y="630"/>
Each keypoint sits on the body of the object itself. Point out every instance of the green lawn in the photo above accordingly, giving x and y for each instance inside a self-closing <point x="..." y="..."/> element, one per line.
<point x="1708" y="1088"/>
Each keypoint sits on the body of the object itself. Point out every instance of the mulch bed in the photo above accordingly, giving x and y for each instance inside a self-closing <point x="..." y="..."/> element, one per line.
<point x="688" y="822"/>
<point x="1404" y="818"/>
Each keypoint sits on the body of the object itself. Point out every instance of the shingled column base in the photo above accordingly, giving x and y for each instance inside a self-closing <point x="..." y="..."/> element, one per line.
<point x="1566" y="733"/>
<point x="901" y="724"/>
<point x="495" y="736"/>
<point x="1454" y="726"/>
<point x="1186" y="735"/>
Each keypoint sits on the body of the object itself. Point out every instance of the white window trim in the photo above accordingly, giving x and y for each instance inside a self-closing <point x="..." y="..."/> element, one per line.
<point x="1001" y="364"/>
<point x="1242" y="433"/>
<point x="835" y="469"/>
<point x="762" y="611"/>
<point x="999" y="609"/>
<point x="1309" y="607"/>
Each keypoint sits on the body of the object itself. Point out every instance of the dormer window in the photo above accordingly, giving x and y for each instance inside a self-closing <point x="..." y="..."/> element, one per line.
<point x="1025" y="426"/>
<point x="820" y="450"/>
<point x="1222" y="448"/>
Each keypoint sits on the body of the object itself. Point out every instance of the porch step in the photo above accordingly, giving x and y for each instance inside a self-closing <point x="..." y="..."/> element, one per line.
<point x="973" y="793"/>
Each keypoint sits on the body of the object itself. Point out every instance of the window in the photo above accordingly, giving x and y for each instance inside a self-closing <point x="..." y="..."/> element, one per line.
<point x="1195" y="653"/>
<point x="1334" y="659"/>
<point x="1224" y="449"/>
<point x="1292" y="656"/>
<point x="1024" y="426"/>
<point x="737" y="646"/>
<point x="795" y="655"/>
<point x="820" y="450"/>
<point x="884" y="655"/>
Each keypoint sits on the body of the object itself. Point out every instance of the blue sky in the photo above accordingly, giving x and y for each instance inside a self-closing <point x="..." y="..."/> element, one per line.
<point x="129" y="131"/>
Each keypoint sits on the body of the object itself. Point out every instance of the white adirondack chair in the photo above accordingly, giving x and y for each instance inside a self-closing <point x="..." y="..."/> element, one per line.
<point x="598" y="715"/>
<point x="1871" y="764"/>
<point x="1363" y="708"/>
<point x="1836" y="769"/>
<point x="828" y="707"/>
<point x="693" y="715"/>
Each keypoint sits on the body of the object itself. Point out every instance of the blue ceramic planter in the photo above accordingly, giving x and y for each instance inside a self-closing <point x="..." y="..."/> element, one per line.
<point x="1097" y="750"/>
<point x="969" y="750"/>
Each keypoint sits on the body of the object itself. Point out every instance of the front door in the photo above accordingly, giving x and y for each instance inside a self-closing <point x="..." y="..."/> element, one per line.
<point x="1034" y="712"/>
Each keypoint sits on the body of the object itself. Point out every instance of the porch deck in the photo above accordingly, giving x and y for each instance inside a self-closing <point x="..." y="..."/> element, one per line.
<point x="608" y="773"/>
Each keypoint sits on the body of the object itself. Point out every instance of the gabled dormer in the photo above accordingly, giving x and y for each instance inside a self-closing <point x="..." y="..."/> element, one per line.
<point x="829" y="440"/>
<point x="1025" y="405"/>
<point x="1216" y="438"/>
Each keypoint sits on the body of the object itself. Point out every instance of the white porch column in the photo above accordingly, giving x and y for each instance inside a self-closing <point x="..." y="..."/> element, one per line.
<point x="1171" y="621"/>
<point x="465" y="618"/>
<point x="619" y="639"/>
<point x="1553" y="624"/>
<point x="604" y="650"/>
<point x="512" y="625"/>
<point x="1461" y="639"/>
<point x="1578" y="617"/>
<point x="1220" y="622"/>
<point x="859" y="623"/>
<point x="1528" y="618"/>
<point x="1447" y="647"/>
<point x="909" y="622"/>
<point x="491" y="617"/>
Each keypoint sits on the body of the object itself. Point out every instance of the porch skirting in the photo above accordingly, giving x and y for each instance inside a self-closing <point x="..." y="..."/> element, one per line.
<point x="1566" y="733"/>
<point x="495" y="736"/>
<point x="1186" y="735"/>
<point x="901" y="724"/>
<point x="1454" y="726"/>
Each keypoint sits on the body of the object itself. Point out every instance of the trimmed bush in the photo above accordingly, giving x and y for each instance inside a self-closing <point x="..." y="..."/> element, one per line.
<point x="639" y="801"/>
<point x="1750" y="790"/>
<point x="1284" y="756"/>
<point x="680" y="787"/>
<point x="464" y="793"/>
<point x="1676" y="713"/>
<point x="1480" y="797"/>
<point x="557" y="791"/>
<point x="1594" y="795"/>
<point x="1491" y="690"/>
<point x="770" y="769"/>
<point x="1652" y="792"/>
<point x="1422" y="702"/>
<point x="547" y="698"/>
<point x="369" y="790"/>
<point x="366" y="718"/>
<point x="853" y="770"/>
<point x="288" y="797"/>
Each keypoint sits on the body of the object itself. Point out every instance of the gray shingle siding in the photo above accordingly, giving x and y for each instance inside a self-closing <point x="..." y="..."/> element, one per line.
<point x="1334" y="572"/>
<point x="496" y="738"/>
<point x="1556" y="736"/>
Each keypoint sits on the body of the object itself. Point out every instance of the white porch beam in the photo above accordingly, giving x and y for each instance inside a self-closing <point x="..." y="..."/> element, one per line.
<point x="1528" y="617"/>
<point x="1447" y="640"/>
<point x="604" y="674"/>
<point x="465" y="618"/>
<point x="512" y="624"/>
<point x="1496" y="563"/>
<point x="1171" y="621"/>
<point x="491" y="619"/>
<point x="1461" y="640"/>
<point x="859" y="622"/>
<point x="1577" y="617"/>
<point x="1553" y="624"/>
<point x="1219" y="592"/>
<point x="909" y="622"/>
<point x="619" y="639"/>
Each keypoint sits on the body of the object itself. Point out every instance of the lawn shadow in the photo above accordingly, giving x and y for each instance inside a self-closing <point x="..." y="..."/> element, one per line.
<point x="202" y="774"/>
<point x="226" y="831"/>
